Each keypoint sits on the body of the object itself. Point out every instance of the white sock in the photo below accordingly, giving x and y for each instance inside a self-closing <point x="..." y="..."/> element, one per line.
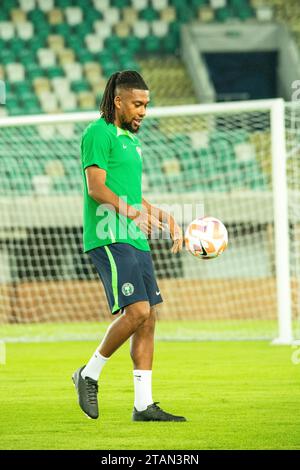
<point x="94" y="366"/>
<point x="142" y="389"/>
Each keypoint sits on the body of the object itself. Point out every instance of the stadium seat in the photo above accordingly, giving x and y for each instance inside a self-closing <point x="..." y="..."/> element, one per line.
<point x="168" y="14"/>
<point x="94" y="43"/>
<point x="93" y="73"/>
<point x="120" y="3"/>
<point x="56" y="42"/>
<point x="102" y="29"/>
<point x="149" y="14"/>
<point x="41" y="85"/>
<point x="68" y="101"/>
<point x="139" y="4"/>
<point x="66" y="56"/>
<point x="86" y="100"/>
<point x="74" y="15"/>
<point x="7" y="30"/>
<point x="17" y="16"/>
<point x="206" y="14"/>
<point x="46" y="57"/>
<point x="48" y="102"/>
<point x="141" y="29"/>
<point x="101" y="5"/>
<point x="45" y="5"/>
<point x="55" y="16"/>
<point x="34" y="71"/>
<point x="60" y="85"/>
<point x="122" y="29"/>
<point x="159" y="28"/>
<point x="25" y="31"/>
<point x="111" y="16"/>
<point x="130" y="15"/>
<point x="73" y="71"/>
<point x="159" y="4"/>
<point x="27" y="5"/>
<point x="15" y="72"/>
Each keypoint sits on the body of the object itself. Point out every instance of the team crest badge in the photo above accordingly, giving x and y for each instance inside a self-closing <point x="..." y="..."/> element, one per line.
<point x="127" y="289"/>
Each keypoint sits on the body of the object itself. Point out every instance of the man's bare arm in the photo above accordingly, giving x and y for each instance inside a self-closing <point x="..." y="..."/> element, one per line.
<point x="97" y="189"/>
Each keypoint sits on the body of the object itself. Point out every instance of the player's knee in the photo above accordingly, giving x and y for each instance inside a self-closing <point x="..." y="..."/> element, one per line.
<point x="140" y="313"/>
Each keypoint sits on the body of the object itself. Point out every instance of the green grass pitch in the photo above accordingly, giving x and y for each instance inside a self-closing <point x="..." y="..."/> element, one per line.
<point x="236" y="395"/>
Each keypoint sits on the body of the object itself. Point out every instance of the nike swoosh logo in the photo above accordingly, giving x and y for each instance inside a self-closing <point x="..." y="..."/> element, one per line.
<point x="157" y="293"/>
<point x="124" y="146"/>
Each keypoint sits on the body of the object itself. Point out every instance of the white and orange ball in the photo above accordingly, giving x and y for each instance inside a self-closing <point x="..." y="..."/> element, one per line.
<point x="206" y="237"/>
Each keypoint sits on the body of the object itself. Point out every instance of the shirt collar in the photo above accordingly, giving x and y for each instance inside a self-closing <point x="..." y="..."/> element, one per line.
<point x="121" y="131"/>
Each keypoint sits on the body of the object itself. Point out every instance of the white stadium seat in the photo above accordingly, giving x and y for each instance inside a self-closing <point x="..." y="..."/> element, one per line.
<point x="141" y="29"/>
<point x="111" y="16"/>
<point x="48" y="102"/>
<point x="159" y="28"/>
<point x="25" y="30"/>
<point x="101" y="5"/>
<point x="46" y="57"/>
<point x="68" y="101"/>
<point x="73" y="71"/>
<point x="139" y="4"/>
<point x="159" y="4"/>
<point x="7" y="30"/>
<point x="27" y="5"/>
<point x="61" y="85"/>
<point x="94" y="43"/>
<point x="218" y="4"/>
<point x="102" y="29"/>
<point x="45" y="5"/>
<point x="15" y="72"/>
<point x="73" y="15"/>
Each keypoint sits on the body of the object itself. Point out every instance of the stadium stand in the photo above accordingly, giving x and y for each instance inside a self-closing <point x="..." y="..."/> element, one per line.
<point x="56" y="55"/>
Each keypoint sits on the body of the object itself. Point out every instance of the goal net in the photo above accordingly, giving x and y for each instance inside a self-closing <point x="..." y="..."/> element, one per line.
<point x="223" y="160"/>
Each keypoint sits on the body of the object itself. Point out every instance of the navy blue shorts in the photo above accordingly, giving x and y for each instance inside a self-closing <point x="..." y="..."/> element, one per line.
<point x="127" y="275"/>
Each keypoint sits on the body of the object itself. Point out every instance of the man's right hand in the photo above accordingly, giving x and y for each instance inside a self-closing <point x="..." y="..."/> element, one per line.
<point x="147" y="222"/>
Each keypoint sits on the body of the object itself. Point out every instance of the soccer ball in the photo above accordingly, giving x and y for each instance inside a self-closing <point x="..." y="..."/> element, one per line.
<point x="206" y="237"/>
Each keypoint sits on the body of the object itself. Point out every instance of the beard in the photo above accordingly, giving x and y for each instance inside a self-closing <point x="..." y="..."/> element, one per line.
<point x="128" y="126"/>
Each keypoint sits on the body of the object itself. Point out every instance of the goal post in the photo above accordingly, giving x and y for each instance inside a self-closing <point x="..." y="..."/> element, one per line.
<point x="228" y="160"/>
<point x="281" y="223"/>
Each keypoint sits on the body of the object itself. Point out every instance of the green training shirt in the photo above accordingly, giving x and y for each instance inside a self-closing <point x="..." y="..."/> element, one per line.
<point x="118" y="152"/>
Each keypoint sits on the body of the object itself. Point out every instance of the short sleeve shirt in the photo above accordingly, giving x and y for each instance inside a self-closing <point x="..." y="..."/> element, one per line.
<point x="118" y="152"/>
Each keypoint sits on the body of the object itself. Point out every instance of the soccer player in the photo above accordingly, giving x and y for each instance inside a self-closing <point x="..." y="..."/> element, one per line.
<point x="117" y="222"/>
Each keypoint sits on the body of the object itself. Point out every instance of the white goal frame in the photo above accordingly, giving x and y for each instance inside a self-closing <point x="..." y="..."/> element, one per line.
<point x="276" y="107"/>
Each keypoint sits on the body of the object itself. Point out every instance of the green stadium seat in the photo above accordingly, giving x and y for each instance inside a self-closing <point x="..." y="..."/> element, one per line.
<point x="170" y="43"/>
<point x="132" y="44"/>
<point x="83" y="56"/>
<point x="62" y="3"/>
<point x="223" y="14"/>
<point x="33" y="71"/>
<point x="149" y="14"/>
<point x="113" y="43"/>
<point x="36" y="16"/>
<point x="185" y="14"/>
<point x="80" y="85"/>
<point x="120" y="3"/>
<point x="7" y="56"/>
<point x="53" y="72"/>
<point x="4" y="15"/>
<point x="152" y="44"/>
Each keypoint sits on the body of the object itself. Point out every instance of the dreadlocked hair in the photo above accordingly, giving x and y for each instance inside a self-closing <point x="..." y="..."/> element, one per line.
<point x="126" y="79"/>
